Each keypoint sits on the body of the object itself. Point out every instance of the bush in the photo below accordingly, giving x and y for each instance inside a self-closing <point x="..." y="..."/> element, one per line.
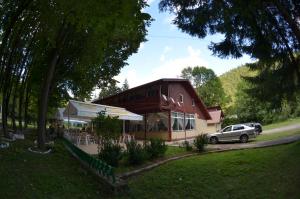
<point x="187" y="146"/>
<point x="200" y="142"/>
<point x="135" y="152"/>
<point x="111" y="153"/>
<point x="156" y="148"/>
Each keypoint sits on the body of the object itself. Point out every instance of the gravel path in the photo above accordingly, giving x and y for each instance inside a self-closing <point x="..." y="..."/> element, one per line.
<point x="284" y="128"/>
<point x="249" y="145"/>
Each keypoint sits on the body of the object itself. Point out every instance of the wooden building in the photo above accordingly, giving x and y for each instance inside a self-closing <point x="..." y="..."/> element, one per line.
<point x="171" y="108"/>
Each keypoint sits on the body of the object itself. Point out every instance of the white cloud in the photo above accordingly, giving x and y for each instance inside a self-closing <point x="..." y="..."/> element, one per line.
<point x="171" y="68"/>
<point x="168" y="68"/>
<point x="149" y="2"/>
<point x="132" y="77"/>
<point x="166" y="50"/>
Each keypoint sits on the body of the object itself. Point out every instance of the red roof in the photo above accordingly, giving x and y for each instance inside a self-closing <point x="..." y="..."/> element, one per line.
<point x="216" y="114"/>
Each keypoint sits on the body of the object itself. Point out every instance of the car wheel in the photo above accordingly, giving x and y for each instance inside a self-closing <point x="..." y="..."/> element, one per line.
<point x="213" y="140"/>
<point x="244" y="138"/>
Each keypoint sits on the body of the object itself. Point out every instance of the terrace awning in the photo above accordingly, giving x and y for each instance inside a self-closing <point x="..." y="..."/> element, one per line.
<point x="86" y="111"/>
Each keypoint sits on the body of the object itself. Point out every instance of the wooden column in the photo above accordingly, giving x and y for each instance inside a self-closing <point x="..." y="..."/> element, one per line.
<point x="123" y="127"/>
<point x="170" y="127"/>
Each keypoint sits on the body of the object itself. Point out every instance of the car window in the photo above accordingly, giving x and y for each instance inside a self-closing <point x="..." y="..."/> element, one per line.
<point x="238" y="127"/>
<point x="227" y="129"/>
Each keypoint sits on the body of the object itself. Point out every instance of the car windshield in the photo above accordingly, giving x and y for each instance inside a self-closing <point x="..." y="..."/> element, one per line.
<point x="227" y="129"/>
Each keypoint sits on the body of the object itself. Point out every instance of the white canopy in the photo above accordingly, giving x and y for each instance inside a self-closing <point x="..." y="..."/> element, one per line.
<point x="86" y="111"/>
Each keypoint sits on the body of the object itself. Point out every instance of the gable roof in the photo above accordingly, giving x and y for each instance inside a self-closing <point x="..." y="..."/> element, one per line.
<point x="185" y="82"/>
<point x="216" y="114"/>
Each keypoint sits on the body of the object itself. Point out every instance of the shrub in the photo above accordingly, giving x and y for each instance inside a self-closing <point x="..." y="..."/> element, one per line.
<point x="200" y="142"/>
<point x="111" y="153"/>
<point x="187" y="146"/>
<point x="135" y="152"/>
<point x="156" y="148"/>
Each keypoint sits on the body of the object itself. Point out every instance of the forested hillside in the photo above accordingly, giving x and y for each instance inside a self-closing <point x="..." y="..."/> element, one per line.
<point x="248" y="108"/>
<point x="231" y="79"/>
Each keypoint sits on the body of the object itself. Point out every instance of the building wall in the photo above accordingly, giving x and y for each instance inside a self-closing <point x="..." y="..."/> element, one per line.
<point x="201" y="127"/>
<point x="177" y="89"/>
<point x="212" y="128"/>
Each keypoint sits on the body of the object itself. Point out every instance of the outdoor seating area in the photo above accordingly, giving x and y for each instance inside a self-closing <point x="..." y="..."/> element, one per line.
<point x="88" y="141"/>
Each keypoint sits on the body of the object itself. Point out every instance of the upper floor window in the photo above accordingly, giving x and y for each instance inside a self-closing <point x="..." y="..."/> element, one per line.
<point x="152" y="92"/>
<point x="193" y="102"/>
<point x="181" y="98"/>
<point x="164" y="90"/>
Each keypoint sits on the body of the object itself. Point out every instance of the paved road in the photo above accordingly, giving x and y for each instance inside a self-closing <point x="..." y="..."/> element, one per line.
<point x="250" y="145"/>
<point x="284" y="128"/>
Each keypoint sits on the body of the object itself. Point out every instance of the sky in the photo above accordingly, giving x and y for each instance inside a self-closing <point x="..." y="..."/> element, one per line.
<point x="168" y="50"/>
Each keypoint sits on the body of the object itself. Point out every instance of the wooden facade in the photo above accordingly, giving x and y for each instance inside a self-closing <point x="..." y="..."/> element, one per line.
<point x="163" y="103"/>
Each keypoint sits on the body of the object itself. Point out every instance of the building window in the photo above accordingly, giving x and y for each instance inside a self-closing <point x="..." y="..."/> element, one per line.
<point x="164" y="90"/>
<point x="157" y="122"/>
<point x="193" y="102"/>
<point x="181" y="98"/>
<point x="136" y="126"/>
<point x="190" y="121"/>
<point x="177" y="121"/>
<point x="152" y="93"/>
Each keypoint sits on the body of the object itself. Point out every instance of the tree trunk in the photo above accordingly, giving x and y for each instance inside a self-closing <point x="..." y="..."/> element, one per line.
<point x="4" y="115"/>
<point x="45" y="89"/>
<point x="26" y="106"/>
<point x="43" y="99"/>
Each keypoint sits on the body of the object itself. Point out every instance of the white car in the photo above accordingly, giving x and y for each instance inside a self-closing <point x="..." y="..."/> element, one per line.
<point x="238" y="132"/>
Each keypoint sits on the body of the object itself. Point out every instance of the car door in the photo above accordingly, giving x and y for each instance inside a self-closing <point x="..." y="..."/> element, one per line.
<point x="225" y="134"/>
<point x="237" y="130"/>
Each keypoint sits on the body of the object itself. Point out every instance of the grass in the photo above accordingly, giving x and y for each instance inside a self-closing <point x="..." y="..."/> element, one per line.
<point x="283" y="123"/>
<point x="58" y="175"/>
<point x="171" y="152"/>
<point x="257" y="173"/>
<point x="274" y="136"/>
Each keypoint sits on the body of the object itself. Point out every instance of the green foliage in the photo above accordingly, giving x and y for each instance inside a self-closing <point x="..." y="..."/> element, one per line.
<point x="109" y="90"/>
<point x="108" y="131"/>
<point x="266" y="31"/>
<point x="111" y="153"/>
<point x="135" y="152"/>
<point x="200" y="142"/>
<point x="156" y="148"/>
<point x="230" y="81"/>
<point x="207" y="84"/>
<point x="125" y="85"/>
<point x="51" y="48"/>
<point x="107" y="127"/>
<point x="187" y="146"/>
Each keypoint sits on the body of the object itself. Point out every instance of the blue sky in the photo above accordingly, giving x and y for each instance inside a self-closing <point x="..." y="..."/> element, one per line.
<point x="168" y="51"/>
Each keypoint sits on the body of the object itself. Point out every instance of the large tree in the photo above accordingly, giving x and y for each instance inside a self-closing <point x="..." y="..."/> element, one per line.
<point x="207" y="85"/>
<point x="56" y="47"/>
<point x="267" y="30"/>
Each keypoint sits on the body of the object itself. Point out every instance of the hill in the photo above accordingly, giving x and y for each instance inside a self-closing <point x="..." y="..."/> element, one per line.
<point x="231" y="79"/>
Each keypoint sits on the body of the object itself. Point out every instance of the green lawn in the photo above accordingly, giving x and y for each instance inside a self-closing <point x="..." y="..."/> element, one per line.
<point x="171" y="152"/>
<point x="274" y="136"/>
<point x="58" y="175"/>
<point x="257" y="173"/>
<point x="281" y="124"/>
